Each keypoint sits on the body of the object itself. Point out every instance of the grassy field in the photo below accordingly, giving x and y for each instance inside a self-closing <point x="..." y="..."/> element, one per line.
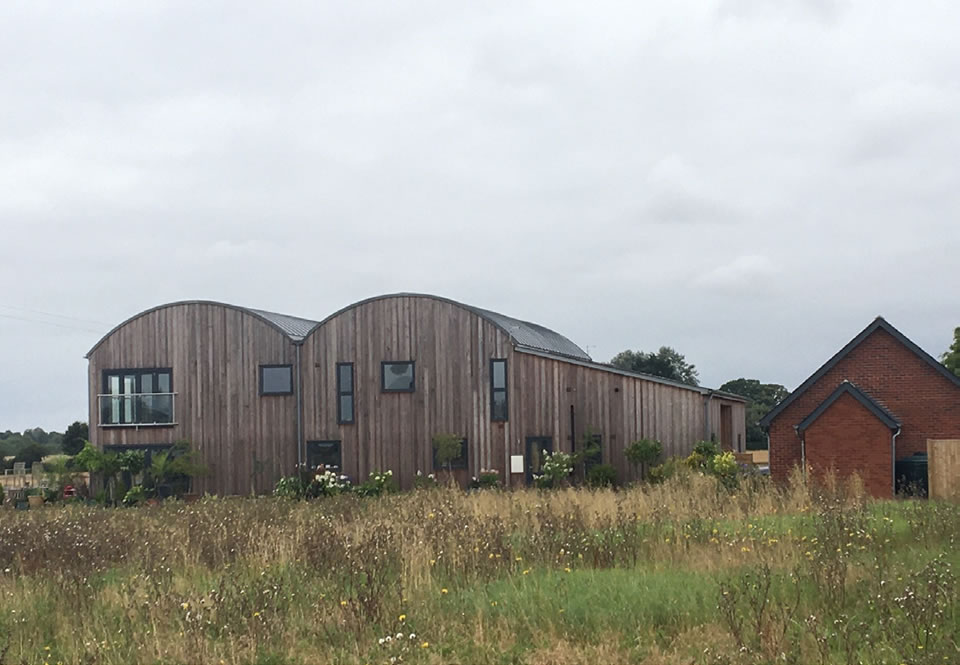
<point x="685" y="572"/>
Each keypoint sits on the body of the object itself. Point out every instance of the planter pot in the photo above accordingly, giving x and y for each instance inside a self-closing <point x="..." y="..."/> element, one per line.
<point x="35" y="501"/>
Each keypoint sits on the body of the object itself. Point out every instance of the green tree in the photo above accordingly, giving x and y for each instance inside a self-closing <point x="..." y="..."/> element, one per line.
<point x="74" y="438"/>
<point x="762" y="397"/>
<point x="446" y="448"/>
<point x="31" y="454"/>
<point x="666" y="363"/>
<point x="951" y="358"/>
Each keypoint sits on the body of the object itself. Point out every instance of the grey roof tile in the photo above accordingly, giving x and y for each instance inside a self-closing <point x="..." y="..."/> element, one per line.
<point x="293" y="326"/>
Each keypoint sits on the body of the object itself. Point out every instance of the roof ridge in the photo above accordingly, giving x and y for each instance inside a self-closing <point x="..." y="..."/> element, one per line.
<point x="878" y="323"/>
<point x="863" y="397"/>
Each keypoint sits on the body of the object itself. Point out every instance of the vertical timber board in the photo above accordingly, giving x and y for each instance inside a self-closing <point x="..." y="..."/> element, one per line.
<point x="943" y="469"/>
<point x="452" y="348"/>
<point x="214" y="352"/>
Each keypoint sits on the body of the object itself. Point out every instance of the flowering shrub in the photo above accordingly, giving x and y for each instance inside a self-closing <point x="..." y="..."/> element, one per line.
<point x="379" y="482"/>
<point x="554" y="470"/>
<point x="724" y="466"/>
<point x="327" y="483"/>
<point x="290" y="487"/>
<point x="422" y="482"/>
<point x="488" y="479"/>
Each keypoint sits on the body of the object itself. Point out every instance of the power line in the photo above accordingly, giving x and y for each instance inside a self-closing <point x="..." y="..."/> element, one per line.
<point x="59" y="316"/>
<point x="50" y="323"/>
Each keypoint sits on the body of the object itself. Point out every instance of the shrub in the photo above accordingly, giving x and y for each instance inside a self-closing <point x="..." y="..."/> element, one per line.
<point x="379" y="483"/>
<point x="489" y="479"/>
<point x="724" y="466"/>
<point x="643" y="453"/>
<point x="290" y="487"/>
<point x="424" y="482"/>
<point x="602" y="475"/>
<point x="706" y="449"/>
<point x="446" y="448"/>
<point x="327" y="483"/>
<point x="3" y="496"/>
<point x="670" y="468"/>
<point x="135" y="496"/>
<point x="554" y="470"/>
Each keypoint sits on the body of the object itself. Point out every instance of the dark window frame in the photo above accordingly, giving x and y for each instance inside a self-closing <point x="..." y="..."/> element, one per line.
<point x="341" y="393"/>
<point x="274" y="393"/>
<point x="313" y="444"/>
<point x="592" y="461"/>
<point x="494" y="391"/>
<point x="383" y="376"/>
<point x="137" y="373"/>
<point x="460" y="462"/>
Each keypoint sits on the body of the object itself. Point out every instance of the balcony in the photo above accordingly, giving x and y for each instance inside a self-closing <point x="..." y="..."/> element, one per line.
<point x="137" y="410"/>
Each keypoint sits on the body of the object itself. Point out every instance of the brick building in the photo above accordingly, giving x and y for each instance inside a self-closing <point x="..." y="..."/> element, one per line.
<point x="876" y="401"/>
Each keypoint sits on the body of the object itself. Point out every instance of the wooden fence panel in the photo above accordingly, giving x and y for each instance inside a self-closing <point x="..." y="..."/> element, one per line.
<point x="943" y="468"/>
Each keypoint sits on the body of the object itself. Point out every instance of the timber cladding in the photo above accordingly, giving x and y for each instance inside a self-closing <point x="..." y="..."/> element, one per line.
<point x="943" y="468"/>
<point x="555" y="395"/>
<point x="214" y="352"/>
<point x="452" y="345"/>
<point x="451" y="348"/>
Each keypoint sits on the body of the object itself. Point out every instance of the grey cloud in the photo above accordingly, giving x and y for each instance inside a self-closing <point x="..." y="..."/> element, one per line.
<point x="631" y="175"/>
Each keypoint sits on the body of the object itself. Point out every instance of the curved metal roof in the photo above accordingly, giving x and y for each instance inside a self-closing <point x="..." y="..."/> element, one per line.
<point x="532" y="335"/>
<point x="523" y="333"/>
<point x="293" y="327"/>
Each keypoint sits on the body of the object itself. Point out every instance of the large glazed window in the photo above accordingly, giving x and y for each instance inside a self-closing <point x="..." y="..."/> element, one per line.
<point x="345" y="410"/>
<point x="276" y="379"/>
<point x="137" y="397"/>
<point x="498" y="390"/>
<point x="397" y="377"/>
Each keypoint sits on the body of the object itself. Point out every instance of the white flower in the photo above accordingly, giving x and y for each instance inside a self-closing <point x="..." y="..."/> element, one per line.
<point x="399" y="636"/>
<point x="381" y="641"/>
<point x="413" y="636"/>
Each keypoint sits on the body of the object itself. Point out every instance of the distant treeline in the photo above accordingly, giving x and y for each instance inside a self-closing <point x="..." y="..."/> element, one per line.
<point x="33" y="444"/>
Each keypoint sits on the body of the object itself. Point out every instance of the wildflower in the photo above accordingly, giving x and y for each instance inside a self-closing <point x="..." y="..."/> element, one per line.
<point x="431" y="515"/>
<point x="402" y="617"/>
<point x="566" y="570"/>
<point x="184" y="606"/>
<point x="443" y="591"/>
<point x="399" y="636"/>
<point x="526" y="572"/>
<point x="413" y="636"/>
<point x="425" y="645"/>
<point x="343" y="603"/>
<point x="256" y="614"/>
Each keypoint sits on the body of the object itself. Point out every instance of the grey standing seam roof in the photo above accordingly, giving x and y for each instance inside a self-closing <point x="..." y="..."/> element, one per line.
<point x="533" y="336"/>
<point x="293" y="327"/>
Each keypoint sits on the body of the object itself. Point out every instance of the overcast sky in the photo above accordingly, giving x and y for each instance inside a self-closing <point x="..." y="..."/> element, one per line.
<point x="750" y="182"/>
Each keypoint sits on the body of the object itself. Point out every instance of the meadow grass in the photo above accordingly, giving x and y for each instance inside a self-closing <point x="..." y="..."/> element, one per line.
<point x="684" y="572"/>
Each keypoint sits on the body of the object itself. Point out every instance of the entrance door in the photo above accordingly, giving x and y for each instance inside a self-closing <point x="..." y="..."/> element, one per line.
<point x="326" y="454"/>
<point x="536" y="446"/>
<point x="726" y="427"/>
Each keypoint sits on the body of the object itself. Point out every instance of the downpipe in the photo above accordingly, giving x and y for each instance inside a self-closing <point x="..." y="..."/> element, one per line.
<point x="803" y="452"/>
<point x="893" y="460"/>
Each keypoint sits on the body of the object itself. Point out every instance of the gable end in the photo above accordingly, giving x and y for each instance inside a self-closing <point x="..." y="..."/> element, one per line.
<point x="878" y="324"/>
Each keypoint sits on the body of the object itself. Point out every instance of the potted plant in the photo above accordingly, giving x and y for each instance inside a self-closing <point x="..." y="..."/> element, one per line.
<point x="35" y="497"/>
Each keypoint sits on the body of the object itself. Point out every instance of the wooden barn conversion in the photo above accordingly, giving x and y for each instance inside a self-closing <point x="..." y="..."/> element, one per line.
<point x="367" y="388"/>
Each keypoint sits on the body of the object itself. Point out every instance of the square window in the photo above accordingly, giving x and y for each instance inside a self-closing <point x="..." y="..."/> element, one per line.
<point x="397" y="377"/>
<point x="276" y="380"/>
<point x="460" y="462"/>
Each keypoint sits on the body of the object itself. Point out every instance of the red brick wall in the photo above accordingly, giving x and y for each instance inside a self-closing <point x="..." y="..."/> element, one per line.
<point x="926" y="403"/>
<point x="848" y="438"/>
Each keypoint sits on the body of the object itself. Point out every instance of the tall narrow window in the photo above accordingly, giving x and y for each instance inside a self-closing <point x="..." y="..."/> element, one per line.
<point x="498" y="390"/>
<point x="345" y="415"/>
